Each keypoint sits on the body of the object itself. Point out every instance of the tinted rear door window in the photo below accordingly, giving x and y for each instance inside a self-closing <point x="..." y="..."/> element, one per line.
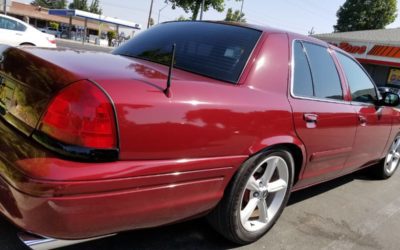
<point x="324" y="73"/>
<point x="216" y="50"/>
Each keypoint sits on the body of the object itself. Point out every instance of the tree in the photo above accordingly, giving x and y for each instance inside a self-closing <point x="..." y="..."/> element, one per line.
<point x="79" y="5"/>
<point x="365" y="15"/>
<point x="111" y="35"/>
<point x="235" y="16"/>
<point x="182" y="18"/>
<point x="95" y="7"/>
<point x="54" y="25"/>
<point x="50" y="4"/>
<point x="194" y="6"/>
<point x="151" y="21"/>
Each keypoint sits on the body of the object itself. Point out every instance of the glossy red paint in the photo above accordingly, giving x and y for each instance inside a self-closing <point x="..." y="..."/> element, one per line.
<point x="176" y="154"/>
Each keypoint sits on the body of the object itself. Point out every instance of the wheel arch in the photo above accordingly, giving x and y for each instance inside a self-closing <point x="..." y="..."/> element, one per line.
<point x="27" y="44"/>
<point x="289" y="143"/>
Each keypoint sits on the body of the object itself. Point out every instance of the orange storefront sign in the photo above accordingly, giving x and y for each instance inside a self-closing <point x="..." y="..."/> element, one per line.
<point x="377" y="50"/>
<point x="385" y="51"/>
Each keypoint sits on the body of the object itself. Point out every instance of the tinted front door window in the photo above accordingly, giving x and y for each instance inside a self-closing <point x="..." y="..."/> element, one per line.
<point x="361" y="87"/>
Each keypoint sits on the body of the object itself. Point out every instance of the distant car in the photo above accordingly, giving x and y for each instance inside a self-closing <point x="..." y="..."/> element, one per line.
<point x="392" y="89"/>
<point x="15" y="32"/>
<point x="51" y="31"/>
<point x="186" y="119"/>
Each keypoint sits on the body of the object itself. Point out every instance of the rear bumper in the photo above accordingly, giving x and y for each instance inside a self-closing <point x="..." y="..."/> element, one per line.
<point x="84" y="216"/>
<point x="61" y="199"/>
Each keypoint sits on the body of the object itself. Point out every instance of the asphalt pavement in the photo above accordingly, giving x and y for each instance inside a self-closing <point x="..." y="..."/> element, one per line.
<point x="352" y="212"/>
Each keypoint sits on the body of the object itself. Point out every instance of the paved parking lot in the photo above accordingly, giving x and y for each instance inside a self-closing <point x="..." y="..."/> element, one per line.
<point x="63" y="43"/>
<point x="353" y="212"/>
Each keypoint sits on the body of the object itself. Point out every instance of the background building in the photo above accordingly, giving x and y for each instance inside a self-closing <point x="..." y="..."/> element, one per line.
<point x="377" y="50"/>
<point x="39" y="18"/>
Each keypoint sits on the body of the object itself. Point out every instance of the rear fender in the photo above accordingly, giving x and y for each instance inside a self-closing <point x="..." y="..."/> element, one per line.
<point x="283" y="141"/>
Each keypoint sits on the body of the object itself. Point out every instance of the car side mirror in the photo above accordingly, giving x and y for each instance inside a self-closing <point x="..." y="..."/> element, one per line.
<point x="390" y="99"/>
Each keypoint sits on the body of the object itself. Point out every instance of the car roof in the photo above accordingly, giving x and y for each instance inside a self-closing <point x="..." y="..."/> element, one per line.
<point x="266" y="29"/>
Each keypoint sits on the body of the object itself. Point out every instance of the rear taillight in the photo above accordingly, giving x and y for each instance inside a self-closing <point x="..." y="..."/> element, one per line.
<point x="51" y="40"/>
<point x="81" y="115"/>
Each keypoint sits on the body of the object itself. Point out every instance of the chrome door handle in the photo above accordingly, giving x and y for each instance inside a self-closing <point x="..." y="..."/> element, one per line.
<point x="362" y="120"/>
<point x="312" y="118"/>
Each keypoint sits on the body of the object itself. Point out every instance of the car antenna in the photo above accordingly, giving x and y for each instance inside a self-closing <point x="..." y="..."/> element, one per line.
<point x="171" y="67"/>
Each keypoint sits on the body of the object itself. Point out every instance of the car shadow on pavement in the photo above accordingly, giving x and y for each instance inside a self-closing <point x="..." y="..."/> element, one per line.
<point x="304" y="194"/>
<point x="8" y="236"/>
<point x="194" y="234"/>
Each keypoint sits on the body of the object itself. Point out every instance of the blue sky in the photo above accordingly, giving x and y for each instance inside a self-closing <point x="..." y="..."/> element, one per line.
<point x="295" y="15"/>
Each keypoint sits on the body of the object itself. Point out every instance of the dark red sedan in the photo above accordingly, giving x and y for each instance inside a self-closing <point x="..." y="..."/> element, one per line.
<point x="186" y="119"/>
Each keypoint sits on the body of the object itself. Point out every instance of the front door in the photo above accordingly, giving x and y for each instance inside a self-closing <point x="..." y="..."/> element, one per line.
<point x="323" y="120"/>
<point x="374" y="122"/>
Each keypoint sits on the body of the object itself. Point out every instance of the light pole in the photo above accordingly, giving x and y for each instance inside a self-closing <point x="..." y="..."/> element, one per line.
<point x="159" y="13"/>
<point x="5" y="7"/>
<point x="151" y="10"/>
<point x="202" y="10"/>
<point x="241" y="10"/>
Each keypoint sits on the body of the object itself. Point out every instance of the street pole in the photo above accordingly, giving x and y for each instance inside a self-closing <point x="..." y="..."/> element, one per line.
<point x="151" y="10"/>
<point x="159" y="13"/>
<point x="241" y="10"/>
<point x="5" y="7"/>
<point x="202" y="10"/>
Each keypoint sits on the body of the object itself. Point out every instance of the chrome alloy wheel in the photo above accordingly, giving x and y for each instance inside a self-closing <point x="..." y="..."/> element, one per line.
<point x="393" y="157"/>
<point x="264" y="193"/>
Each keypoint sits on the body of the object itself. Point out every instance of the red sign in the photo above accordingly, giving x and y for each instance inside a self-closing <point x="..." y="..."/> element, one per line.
<point x="351" y="48"/>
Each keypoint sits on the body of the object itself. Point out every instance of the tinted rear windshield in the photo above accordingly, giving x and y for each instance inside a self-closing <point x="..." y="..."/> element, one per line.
<point x="215" y="50"/>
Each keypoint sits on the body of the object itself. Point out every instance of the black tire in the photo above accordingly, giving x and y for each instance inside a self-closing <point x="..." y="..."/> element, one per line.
<point x="384" y="170"/>
<point x="226" y="217"/>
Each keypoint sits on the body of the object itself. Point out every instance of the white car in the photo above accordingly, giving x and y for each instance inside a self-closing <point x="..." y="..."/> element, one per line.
<point x="15" y="32"/>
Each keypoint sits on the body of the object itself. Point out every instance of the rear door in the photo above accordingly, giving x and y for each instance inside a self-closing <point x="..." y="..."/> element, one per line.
<point x="324" y="120"/>
<point x="374" y="122"/>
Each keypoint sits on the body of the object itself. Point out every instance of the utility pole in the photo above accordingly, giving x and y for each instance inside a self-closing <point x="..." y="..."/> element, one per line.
<point x="241" y="9"/>
<point x="151" y="10"/>
<point x="202" y="9"/>
<point x="5" y="7"/>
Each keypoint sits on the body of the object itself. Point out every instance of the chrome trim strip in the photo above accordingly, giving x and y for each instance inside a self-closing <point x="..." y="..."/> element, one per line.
<point x="35" y="242"/>
<point x="354" y="103"/>
<point x="292" y="80"/>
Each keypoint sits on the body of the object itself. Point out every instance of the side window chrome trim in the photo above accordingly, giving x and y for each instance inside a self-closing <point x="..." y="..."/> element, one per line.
<point x="292" y="78"/>
<point x="362" y="104"/>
